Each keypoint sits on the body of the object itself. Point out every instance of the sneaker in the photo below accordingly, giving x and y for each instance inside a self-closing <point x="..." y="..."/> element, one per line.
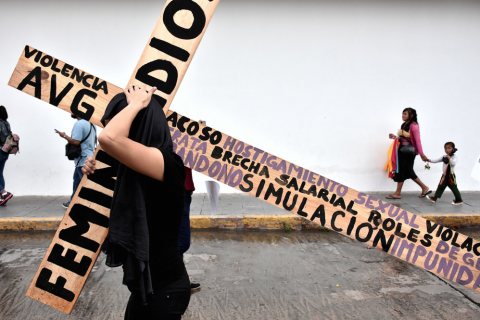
<point x="66" y="204"/>
<point x="195" y="286"/>
<point x="5" y="197"/>
<point x="457" y="202"/>
<point x="433" y="199"/>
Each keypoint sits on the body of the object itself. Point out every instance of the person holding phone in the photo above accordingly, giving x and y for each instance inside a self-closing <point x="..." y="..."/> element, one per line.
<point x="83" y="134"/>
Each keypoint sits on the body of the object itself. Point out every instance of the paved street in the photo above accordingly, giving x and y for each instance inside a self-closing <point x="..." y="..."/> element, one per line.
<point x="256" y="275"/>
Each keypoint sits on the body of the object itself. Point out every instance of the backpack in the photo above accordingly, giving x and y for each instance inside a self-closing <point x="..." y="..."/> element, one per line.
<point x="11" y="145"/>
<point x="72" y="151"/>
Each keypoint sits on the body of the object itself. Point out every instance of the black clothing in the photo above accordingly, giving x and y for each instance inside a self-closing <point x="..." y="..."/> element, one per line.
<point x="405" y="170"/>
<point x="169" y="303"/>
<point x="146" y="214"/>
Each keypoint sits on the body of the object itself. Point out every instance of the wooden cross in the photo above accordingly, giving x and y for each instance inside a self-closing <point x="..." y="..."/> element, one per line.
<point x="76" y="245"/>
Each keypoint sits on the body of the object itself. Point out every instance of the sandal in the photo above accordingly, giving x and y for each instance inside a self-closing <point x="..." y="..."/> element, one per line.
<point x="423" y="195"/>
<point x="392" y="197"/>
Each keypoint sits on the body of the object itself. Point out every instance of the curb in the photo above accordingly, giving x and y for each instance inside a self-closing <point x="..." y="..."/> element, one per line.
<point x="256" y="222"/>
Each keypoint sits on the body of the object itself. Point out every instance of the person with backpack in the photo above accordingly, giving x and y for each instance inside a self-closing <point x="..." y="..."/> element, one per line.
<point x="84" y="135"/>
<point x="5" y="131"/>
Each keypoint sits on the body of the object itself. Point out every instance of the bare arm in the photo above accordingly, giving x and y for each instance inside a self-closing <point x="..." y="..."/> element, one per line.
<point x="114" y="138"/>
<point x="70" y="140"/>
<point x="437" y="160"/>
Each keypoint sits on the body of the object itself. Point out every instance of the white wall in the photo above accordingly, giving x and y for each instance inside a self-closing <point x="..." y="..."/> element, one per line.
<point x="318" y="83"/>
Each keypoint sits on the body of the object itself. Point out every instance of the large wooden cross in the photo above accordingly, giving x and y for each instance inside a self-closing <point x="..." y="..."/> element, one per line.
<point x="76" y="245"/>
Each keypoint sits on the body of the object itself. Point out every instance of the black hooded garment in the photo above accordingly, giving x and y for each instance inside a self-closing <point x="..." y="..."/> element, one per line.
<point x="146" y="214"/>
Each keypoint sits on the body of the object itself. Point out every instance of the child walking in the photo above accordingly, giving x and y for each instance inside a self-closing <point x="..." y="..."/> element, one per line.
<point x="448" y="177"/>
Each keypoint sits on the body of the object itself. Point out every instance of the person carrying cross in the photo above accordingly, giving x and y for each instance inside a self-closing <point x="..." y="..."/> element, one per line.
<point x="83" y="135"/>
<point x="147" y="206"/>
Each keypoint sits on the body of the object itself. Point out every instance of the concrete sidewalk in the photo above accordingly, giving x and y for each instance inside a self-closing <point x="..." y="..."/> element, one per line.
<point x="240" y="211"/>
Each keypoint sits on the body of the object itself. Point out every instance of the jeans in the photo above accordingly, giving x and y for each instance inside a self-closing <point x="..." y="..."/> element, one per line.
<point x="3" y="160"/>
<point x="77" y="177"/>
<point x="184" y="236"/>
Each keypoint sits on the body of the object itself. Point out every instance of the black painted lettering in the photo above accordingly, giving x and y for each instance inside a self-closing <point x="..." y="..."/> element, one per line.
<point x="243" y="163"/>
<point x="350" y="208"/>
<point x="236" y="160"/>
<point x="170" y="49"/>
<point x="181" y="124"/>
<point x="283" y="180"/>
<point x="264" y="172"/>
<point x="95" y="197"/>
<point x="199" y="19"/>
<point x="68" y="262"/>
<point x="260" y="188"/>
<point x="89" y="108"/>
<point x="323" y="193"/>
<point x="57" y="288"/>
<point x="84" y="80"/>
<point x="386" y="244"/>
<point x="215" y="138"/>
<point x="173" y="119"/>
<point x="28" y="53"/>
<point x="193" y="128"/>
<point x="285" y="201"/>
<point x="102" y="86"/>
<point x="334" y="217"/>
<point x="340" y="202"/>
<point x="467" y="244"/>
<point x="426" y="243"/>
<point x="398" y="231"/>
<point x="38" y="56"/>
<point x="46" y="61"/>
<point x="319" y="213"/>
<point x="143" y="75"/>
<point x="37" y="84"/>
<point x="254" y="166"/>
<point x="54" y="99"/>
<point x="66" y="69"/>
<point x="217" y="153"/>
<point x="248" y="182"/>
<point x="276" y="193"/>
<point x="82" y="216"/>
<point x="77" y="76"/>
<point x="105" y="177"/>
<point x="205" y="134"/>
<point x="293" y="183"/>
<point x="54" y="66"/>
<point x="359" y="229"/>
<point x="300" y="211"/>
<point x="351" y="225"/>
<point x="227" y="156"/>
<point x="412" y="235"/>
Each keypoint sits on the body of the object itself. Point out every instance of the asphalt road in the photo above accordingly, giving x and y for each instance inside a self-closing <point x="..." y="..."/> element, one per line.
<point x="257" y="275"/>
